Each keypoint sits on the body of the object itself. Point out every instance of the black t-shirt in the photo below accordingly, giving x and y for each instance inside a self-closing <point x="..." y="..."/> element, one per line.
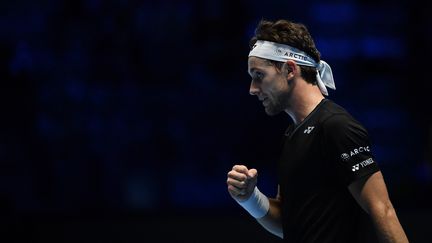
<point x="320" y="157"/>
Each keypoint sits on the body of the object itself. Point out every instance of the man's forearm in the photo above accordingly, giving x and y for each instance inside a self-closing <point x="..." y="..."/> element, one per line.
<point x="272" y="221"/>
<point x="387" y="225"/>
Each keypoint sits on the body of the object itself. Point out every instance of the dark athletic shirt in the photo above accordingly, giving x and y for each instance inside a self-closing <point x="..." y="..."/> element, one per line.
<point x="320" y="157"/>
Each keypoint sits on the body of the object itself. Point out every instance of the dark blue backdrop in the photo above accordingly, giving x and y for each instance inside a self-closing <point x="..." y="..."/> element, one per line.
<point x="120" y="119"/>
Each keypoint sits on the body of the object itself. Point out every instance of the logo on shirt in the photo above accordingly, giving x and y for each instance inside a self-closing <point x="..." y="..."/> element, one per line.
<point x="346" y="156"/>
<point x="308" y="130"/>
<point x="362" y="164"/>
<point x="355" y="167"/>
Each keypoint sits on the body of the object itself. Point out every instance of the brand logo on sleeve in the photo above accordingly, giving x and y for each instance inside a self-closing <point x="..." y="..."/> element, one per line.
<point x="359" y="150"/>
<point x="347" y="156"/>
<point x="363" y="164"/>
<point x="355" y="167"/>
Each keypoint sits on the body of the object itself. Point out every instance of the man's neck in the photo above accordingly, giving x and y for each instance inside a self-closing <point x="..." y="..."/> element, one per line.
<point x="303" y="101"/>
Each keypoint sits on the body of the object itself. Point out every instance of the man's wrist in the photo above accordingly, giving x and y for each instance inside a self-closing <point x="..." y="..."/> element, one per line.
<point x="257" y="204"/>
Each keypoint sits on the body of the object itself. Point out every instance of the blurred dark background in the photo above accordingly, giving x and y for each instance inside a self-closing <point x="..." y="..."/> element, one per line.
<point x="120" y="119"/>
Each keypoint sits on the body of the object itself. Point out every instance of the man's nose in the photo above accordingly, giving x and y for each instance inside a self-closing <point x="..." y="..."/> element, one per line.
<point x="253" y="89"/>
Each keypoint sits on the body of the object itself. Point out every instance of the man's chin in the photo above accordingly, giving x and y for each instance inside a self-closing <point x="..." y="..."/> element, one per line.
<point x="271" y="112"/>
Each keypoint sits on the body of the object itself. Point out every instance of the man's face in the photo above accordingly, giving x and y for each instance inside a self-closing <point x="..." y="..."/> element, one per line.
<point x="269" y="84"/>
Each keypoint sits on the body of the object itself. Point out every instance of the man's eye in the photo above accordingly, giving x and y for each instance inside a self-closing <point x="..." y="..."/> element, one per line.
<point x="257" y="77"/>
<point x="260" y="76"/>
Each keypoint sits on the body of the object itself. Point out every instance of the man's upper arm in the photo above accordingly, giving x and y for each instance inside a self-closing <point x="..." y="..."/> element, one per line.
<point x="370" y="192"/>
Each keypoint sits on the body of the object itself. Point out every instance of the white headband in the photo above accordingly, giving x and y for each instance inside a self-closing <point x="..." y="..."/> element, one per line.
<point x="282" y="53"/>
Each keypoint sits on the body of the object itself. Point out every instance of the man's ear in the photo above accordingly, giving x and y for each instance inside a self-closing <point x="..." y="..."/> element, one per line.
<point x="290" y="69"/>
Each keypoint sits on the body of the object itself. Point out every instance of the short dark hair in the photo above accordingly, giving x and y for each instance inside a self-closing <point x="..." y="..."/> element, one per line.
<point x="292" y="34"/>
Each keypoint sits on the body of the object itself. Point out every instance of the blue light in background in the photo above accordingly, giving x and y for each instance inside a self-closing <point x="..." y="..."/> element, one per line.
<point x="336" y="48"/>
<point x="334" y="13"/>
<point x="382" y="47"/>
<point x="22" y="61"/>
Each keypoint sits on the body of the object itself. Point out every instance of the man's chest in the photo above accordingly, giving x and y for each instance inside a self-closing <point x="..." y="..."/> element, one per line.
<point x="302" y="160"/>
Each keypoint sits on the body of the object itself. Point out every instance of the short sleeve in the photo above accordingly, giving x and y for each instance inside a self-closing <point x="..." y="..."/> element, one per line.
<point x="347" y="148"/>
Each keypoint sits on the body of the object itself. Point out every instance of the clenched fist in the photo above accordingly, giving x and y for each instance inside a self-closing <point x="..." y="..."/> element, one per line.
<point x="241" y="182"/>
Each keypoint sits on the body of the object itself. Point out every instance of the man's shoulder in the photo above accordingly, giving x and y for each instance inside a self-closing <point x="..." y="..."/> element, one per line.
<point x="336" y="118"/>
<point x="333" y="113"/>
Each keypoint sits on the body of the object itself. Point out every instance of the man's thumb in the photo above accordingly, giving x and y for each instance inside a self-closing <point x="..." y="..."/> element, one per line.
<point x="252" y="173"/>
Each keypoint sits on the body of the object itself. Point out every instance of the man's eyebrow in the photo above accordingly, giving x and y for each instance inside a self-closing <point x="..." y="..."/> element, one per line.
<point x="250" y="71"/>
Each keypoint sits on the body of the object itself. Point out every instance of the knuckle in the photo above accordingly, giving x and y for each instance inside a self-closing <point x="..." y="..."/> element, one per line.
<point x="239" y="168"/>
<point x="238" y="185"/>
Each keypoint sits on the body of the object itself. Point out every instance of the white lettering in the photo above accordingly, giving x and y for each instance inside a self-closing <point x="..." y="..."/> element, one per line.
<point x="359" y="150"/>
<point x="366" y="162"/>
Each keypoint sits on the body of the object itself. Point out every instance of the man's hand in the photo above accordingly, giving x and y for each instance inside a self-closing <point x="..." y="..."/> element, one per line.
<point x="241" y="182"/>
